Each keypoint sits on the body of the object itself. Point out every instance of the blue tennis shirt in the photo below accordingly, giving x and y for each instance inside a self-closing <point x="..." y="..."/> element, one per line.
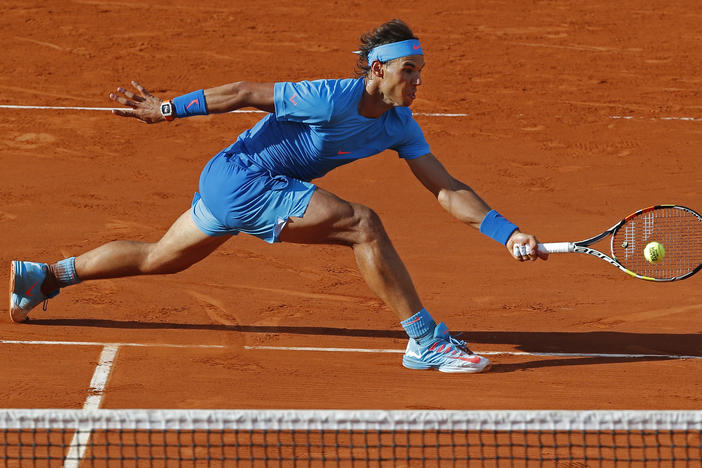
<point x="316" y="127"/>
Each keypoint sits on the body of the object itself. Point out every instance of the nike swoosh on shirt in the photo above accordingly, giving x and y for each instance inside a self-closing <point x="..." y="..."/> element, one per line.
<point x="343" y="152"/>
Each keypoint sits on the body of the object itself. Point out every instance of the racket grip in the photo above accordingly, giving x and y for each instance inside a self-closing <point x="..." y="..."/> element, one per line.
<point x="556" y="247"/>
<point x="551" y="247"/>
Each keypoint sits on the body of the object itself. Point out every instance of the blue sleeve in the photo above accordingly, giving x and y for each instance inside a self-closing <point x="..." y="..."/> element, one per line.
<point x="306" y="101"/>
<point x="412" y="144"/>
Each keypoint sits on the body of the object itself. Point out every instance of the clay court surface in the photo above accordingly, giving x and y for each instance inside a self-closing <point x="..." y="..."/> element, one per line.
<point x="576" y="114"/>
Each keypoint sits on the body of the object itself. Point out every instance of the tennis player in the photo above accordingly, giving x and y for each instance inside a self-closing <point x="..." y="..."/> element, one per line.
<point x="260" y="185"/>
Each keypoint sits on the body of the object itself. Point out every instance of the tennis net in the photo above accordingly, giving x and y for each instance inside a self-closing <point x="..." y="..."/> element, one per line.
<point x="319" y="438"/>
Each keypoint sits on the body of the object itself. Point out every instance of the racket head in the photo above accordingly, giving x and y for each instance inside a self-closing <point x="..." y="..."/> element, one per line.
<point x="677" y="228"/>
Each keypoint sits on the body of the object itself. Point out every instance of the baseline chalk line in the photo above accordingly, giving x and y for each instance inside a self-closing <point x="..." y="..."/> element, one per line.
<point x="629" y="117"/>
<point x="95" y="343"/>
<point x="247" y="111"/>
<point x="487" y="353"/>
<point x="238" y="111"/>
<point x="7" y="106"/>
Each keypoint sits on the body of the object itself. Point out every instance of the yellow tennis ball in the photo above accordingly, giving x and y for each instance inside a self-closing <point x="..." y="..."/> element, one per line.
<point x="654" y="252"/>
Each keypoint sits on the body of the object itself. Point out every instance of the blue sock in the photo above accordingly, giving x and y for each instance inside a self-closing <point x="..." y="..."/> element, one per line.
<point x="420" y="325"/>
<point x="66" y="272"/>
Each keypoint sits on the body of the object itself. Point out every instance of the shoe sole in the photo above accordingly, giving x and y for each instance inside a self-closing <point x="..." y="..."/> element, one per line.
<point x="448" y="370"/>
<point x="466" y="370"/>
<point x="16" y="315"/>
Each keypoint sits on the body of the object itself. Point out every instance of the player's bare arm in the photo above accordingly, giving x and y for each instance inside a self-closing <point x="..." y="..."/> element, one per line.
<point x="461" y="201"/>
<point x="226" y="98"/>
<point x="454" y="196"/>
<point x="234" y="96"/>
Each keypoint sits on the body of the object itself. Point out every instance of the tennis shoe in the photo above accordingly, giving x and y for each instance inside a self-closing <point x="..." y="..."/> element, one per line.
<point x="444" y="353"/>
<point x="26" y="279"/>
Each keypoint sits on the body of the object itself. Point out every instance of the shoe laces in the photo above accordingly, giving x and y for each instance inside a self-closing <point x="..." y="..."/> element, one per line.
<point x="460" y="344"/>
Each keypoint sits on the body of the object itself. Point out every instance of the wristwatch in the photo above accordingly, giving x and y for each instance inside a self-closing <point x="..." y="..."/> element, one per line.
<point x="167" y="110"/>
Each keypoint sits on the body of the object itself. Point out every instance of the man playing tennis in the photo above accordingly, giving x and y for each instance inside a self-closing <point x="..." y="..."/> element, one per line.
<point x="260" y="186"/>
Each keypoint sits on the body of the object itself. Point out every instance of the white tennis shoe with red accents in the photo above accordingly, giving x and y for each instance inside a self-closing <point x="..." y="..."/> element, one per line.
<point x="444" y="353"/>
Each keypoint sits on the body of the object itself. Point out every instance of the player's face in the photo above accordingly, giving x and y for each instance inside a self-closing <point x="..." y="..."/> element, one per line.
<point x="400" y="80"/>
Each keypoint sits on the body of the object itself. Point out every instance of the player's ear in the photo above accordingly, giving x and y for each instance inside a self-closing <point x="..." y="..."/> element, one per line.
<point x="377" y="69"/>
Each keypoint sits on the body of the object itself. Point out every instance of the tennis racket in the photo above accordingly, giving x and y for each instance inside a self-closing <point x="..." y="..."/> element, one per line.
<point x="677" y="228"/>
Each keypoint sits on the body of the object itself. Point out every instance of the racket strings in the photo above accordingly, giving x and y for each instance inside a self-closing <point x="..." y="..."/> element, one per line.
<point x="677" y="229"/>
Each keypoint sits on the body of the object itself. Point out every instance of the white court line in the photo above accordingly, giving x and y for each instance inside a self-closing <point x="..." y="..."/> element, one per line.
<point x="95" y="343"/>
<point x="438" y="114"/>
<point x="345" y="350"/>
<point x="102" y="372"/>
<point x="244" y="111"/>
<point x="239" y="111"/>
<point x="7" y="106"/>
<point x="629" y="117"/>
<point x="491" y="353"/>
<point x="79" y="443"/>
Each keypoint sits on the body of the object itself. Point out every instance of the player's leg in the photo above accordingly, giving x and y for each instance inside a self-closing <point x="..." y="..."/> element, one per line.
<point x="183" y="245"/>
<point x="329" y="219"/>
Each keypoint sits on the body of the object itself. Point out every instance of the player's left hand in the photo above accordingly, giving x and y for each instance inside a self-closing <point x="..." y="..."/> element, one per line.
<point x="144" y="106"/>
<point x="526" y="247"/>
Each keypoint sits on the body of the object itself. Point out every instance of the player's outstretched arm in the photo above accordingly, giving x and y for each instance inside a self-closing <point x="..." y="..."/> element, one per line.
<point x="463" y="203"/>
<point x="148" y="108"/>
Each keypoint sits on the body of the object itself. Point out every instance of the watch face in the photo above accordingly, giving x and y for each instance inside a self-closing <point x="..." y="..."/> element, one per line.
<point x="166" y="108"/>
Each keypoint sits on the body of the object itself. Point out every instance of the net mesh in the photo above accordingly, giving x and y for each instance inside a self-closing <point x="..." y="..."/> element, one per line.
<point x="678" y="229"/>
<point x="252" y="438"/>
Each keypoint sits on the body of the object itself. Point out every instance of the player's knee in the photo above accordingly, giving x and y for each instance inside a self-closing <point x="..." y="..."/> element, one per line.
<point x="369" y="227"/>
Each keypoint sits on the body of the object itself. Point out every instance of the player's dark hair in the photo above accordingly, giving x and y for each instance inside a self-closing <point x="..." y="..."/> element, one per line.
<point x="393" y="31"/>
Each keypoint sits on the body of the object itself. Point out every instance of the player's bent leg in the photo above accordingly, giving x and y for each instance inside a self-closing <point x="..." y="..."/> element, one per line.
<point x="183" y="245"/>
<point x="331" y="220"/>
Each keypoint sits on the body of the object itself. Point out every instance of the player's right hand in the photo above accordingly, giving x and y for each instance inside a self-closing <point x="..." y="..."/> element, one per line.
<point x="523" y="247"/>
<point x="144" y="106"/>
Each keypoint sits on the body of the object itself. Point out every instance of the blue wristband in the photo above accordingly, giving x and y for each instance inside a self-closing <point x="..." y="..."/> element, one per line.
<point x="495" y="226"/>
<point x="190" y="104"/>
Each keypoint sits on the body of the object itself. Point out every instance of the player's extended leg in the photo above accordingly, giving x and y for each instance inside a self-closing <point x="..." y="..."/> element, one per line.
<point x="183" y="245"/>
<point x="331" y="220"/>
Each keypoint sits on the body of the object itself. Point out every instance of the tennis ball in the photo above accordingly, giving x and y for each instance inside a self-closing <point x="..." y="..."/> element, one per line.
<point x="654" y="252"/>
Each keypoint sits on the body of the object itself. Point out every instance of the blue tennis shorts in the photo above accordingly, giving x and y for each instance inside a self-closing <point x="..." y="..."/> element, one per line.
<point x="239" y="196"/>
